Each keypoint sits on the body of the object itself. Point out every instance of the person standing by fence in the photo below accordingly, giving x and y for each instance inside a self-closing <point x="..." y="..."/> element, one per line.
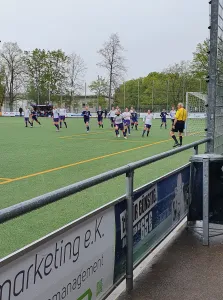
<point x="179" y="125"/>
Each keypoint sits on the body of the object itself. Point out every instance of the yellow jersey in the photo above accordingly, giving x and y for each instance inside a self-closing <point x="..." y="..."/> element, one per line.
<point x="181" y="114"/>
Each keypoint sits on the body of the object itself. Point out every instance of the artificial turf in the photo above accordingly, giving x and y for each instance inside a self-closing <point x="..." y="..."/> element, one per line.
<point x="39" y="160"/>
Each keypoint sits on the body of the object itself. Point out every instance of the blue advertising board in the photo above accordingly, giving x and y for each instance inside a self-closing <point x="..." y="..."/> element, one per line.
<point x="157" y="209"/>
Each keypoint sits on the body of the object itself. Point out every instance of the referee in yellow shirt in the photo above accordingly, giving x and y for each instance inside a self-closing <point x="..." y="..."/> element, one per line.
<point x="179" y="124"/>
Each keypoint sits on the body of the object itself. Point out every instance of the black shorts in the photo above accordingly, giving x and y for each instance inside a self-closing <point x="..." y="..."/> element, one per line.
<point x="100" y="119"/>
<point x="120" y="126"/>
<point x="179" y="127"/>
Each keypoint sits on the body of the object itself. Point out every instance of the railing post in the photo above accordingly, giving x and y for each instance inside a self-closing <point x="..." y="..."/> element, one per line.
<point x="206" y="201"/>
<point x="129" y="231"/>
<point x="195" y="150"/>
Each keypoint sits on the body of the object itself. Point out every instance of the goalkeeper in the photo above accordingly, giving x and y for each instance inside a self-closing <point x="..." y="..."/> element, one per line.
<point x="179" y="125"/>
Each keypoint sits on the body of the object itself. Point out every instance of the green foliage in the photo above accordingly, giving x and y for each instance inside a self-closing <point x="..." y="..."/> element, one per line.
<point x="99" y="86"/>
<point x="47" y="73"/>
<point x="200" y="59"/>
<point x="165" y="88"/>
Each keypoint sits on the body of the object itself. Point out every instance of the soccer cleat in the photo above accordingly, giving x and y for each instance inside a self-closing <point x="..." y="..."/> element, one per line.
<point x="87" y="131"/>
<point x="125" y="137"/>
<point x="176" y="145"/>
<point x="118" y="135"/>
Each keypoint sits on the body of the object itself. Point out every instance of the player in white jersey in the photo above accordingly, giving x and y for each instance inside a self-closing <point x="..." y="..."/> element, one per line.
<point x="27" y="114"/>
<point x="62" y="113"/>
<point x="172" y="114"/>
<point x="56" y="117"/>
<point x="119" y="124"/>
<point x="127" y="117"/>
<point x="148" y="123"/>
<point x="112" y="116"/>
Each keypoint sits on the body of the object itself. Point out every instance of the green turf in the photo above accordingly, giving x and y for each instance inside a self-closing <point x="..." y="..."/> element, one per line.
<point x="26" y="151"/>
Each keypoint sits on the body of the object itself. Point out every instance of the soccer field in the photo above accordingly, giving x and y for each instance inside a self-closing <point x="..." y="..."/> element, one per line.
<point x="37" y="160"/>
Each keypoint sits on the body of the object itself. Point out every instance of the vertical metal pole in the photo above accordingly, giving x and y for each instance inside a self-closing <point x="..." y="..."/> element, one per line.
<point x="183" y="90"/>
<point x="152" y="94"/>
<point x="206" y="201"/>
<point x="129" y="231"/>
<point x="138" y="95"/>
<point x="85" y="91"/>
<point x="167" y="97"/>
<point x="188" y="113"/>
<point x="49" y="93"/>
<point x="124" y="95"/>
<point x="196" y="150"/>
<point x="212" y="86"/>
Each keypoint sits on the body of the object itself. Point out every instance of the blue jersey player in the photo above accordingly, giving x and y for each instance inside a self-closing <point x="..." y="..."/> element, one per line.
<point x="134" y="118"/>
<point x="34" y="117"/>
<point x="163" y="118"/>
<point x="86" y="114"/>
<point x="100" y="117"/>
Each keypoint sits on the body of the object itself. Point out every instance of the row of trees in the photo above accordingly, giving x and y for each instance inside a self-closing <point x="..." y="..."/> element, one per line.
<point x="169" y="86"/>
<point x="39" y="74"/>
<point x="45" y="76"/>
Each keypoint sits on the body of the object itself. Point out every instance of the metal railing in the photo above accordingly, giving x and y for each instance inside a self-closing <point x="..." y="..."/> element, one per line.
<point x="14" y="211"/>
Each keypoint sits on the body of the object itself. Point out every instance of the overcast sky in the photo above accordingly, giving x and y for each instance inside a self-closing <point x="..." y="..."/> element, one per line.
<point x="155" y="33"/>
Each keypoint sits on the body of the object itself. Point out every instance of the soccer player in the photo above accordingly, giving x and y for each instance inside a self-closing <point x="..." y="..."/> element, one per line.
<point x="86" y="114"/>
<point x="178" y="125"/>
<point x="112" y="116"/>
<point x="62" y="114"/>
<point x="131" y="112"/>
<point x="163" y="118"/>
<point x="119" y="124"/>
<point x="100" y="117"/>
<point x="172" y="114"/>
<point x="148" y="123"/>
<point x="134" y="118"/>
<point x="56" y="117"/>
<point x="27" y="113"/>
<point x="127" y="117"/>
<point x="34" y="117"/>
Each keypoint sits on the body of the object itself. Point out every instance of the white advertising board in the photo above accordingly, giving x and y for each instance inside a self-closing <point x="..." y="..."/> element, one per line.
<point x="190" y="116"/>
<point x="10" y="114"/>
<point x="77" y="264"/>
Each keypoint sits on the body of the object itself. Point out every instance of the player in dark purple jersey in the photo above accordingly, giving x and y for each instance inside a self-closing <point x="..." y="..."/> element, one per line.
<point x="34" y="117"/>
<point x="86" y="114"/>
<point x="163" y="118"/>
<point x="100" y="117"/>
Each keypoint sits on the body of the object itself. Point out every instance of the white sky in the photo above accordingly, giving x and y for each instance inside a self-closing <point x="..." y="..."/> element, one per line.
<point x="155" y="33"/>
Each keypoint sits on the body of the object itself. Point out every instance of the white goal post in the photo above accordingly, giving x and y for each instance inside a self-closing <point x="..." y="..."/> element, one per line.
<point x="196" y="109"/>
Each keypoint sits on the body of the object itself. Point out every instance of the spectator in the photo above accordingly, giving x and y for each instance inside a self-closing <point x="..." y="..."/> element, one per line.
<point x="20" y="111"/>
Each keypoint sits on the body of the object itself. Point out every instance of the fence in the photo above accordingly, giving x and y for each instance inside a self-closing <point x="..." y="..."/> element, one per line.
<point x="215" y="94"/>
<point x="89" y="257"/>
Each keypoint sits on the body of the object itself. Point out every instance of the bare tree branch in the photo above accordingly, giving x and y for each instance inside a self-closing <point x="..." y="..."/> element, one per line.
<point x="113" y="61"/>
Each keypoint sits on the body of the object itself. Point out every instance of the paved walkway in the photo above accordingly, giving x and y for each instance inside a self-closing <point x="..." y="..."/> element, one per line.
<point x="186" y="270"/>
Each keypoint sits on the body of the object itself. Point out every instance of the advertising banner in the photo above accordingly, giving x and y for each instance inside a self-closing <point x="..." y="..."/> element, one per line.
<point x="158" y="207"/>
<point x="190" y="116"/>
<point x="10" y="114"/>
<point x="77" y="264"/>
